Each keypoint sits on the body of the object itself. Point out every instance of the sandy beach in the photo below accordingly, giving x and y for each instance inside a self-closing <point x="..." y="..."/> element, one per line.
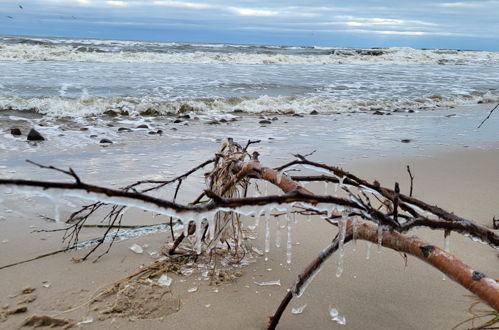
<point x="453" y="170"/>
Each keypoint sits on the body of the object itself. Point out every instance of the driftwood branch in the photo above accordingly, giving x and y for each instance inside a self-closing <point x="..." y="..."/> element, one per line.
<point x="384" y="211"/>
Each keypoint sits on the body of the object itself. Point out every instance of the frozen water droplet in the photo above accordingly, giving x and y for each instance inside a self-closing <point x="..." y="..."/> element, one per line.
<point x="165" y="280"/>
<point x="298" y="310"/>
<point x="136" y="248"/>
<point x="193" y="289"/>
<point x="207" y="305"/>
<point x="269" y="283"/>
<point x="335" y="316"/>
<point x="46" y="285"/>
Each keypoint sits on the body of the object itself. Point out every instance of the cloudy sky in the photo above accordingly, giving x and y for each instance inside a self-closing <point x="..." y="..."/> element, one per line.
<point x="355" y="23"/>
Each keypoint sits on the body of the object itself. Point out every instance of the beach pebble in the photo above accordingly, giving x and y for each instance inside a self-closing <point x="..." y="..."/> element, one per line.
<point x="124" y="129"/>
<point x="297" y="115"/>
<point x="379" y="113"/>
<point x="34" y="135"/>
<point x="213" y="122"/>
<point x="105" y="141"/>
<point x="151" y="133"/>
<point x="15" y="131"/>
<point x="314" y="112"/>
<point x="405" y="140"/>
<point x="143" y="126"/>
<point x="176" y="121"/>
<point x="265" y="121"/>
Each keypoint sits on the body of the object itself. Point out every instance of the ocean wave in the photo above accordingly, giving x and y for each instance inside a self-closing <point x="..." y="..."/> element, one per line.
<point x="59" y="107"/>
<point x="137" y="52"/>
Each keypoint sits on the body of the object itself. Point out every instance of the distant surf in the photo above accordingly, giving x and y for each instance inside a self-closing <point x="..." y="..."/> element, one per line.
<point x="58" y="77"/>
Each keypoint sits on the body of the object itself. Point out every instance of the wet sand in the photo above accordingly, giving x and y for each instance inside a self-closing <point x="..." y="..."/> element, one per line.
<point x="381" y="292"/>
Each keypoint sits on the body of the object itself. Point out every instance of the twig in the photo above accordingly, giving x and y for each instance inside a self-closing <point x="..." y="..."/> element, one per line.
<point x="412" y="180"/>
<point x="488" y="116"/>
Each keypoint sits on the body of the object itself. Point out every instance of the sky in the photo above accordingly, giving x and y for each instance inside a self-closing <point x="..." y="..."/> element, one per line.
<point x="355" y="23"/>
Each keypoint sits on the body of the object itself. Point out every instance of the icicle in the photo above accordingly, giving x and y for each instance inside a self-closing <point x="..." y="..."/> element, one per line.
<point x="266" y="189"/>
<point x="57" y="214"/>
<point x="289" y="243"/>
<point x="269" y="283"/>
<point x="446" y="246"/>
<point x="199" y="232"/>
<point x="341" y="246"/>
<point x="368" y="254"/>
<point x="355" y="225"/>
<point x="278" y="233"/>
<point x="447" y="243"/>
<point x="335" y="188"/>
<point x="325" y="187"/>
<point x="279" y="177"/>
<point x="309" y="218"/>
<point x="380" y="237"/>
<point x="211" y="226"/>
<point x="267" y="232"/>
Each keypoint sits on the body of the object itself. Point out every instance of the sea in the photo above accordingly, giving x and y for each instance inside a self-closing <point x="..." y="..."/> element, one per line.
<point x="59" y="77"/>
<point x="163" y="106"/>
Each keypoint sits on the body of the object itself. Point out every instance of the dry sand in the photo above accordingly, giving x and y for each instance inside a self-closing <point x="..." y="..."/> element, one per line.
<point x="379" y="293"/>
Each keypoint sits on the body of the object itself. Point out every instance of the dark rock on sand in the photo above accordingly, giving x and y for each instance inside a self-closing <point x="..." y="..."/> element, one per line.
<point x="213" y="122"/>
<point x="105" y="141"/>
<point x="124" y="129"/>
<point x="83" y="129"/>
<point x="297" y="115"/>
<point x="15" y="131"/>
<point x="223" y="120"/>
<point x="405" y="140"/>
<point x="265" y="122"/>
<point x="151" y="133"/>
<point x="184" y="117"/>
<point x="314" y="112"/>
<point x="143" y="126"/>
<point x="379" y="113"/>
<point x="93" y="135"/>
<point x="34" y="135"/>
<point x="176" y="121"/>
<point x="159" y="131"/>
<point x="275" y="118"/>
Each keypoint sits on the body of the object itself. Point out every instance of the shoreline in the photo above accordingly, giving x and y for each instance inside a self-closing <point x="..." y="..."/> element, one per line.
<point x="382" y="291"/>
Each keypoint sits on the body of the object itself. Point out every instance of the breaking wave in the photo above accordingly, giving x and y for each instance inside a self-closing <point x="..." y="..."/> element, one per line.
<point x="58" y="107"/>
<point x="111" y="51"/>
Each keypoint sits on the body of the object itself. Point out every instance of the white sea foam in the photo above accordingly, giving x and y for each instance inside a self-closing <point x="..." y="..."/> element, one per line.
<point x="143" y="52"/>
<point x="57" y="106"/>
